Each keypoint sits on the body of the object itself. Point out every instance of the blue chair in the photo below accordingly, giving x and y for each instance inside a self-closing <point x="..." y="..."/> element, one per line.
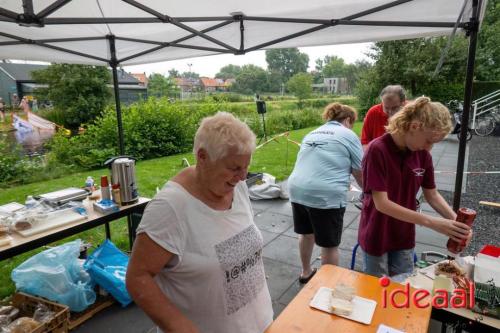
<point x="355" y="249"/>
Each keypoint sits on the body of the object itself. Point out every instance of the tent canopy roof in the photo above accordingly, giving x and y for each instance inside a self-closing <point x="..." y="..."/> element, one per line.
<point x="84" y="31"/>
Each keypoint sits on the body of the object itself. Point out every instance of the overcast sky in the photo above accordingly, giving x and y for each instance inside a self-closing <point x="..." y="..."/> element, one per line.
<point x="209" y="66"/>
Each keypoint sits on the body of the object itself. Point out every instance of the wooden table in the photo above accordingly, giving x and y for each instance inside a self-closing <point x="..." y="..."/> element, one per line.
<point x="22" y="244"/>
<point x="299" y="317"/>
<point x="458" y="318"/>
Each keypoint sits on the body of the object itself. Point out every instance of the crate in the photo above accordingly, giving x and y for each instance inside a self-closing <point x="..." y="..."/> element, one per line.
<point x="78" y="318"/>
<point x="27" y="304"/>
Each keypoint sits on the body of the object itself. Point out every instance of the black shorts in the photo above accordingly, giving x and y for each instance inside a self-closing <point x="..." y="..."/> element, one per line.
<point x="325" y="224"/>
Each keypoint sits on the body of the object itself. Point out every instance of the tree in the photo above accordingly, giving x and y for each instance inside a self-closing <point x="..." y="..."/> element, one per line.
<point x="252" y="79"/>
<point x="286" y="62"/>
<point x="228" y="72"/>
<point x="190" y="75"/>
<point x="79" y="91"/>
<point x="301" y="86"/>
<point x="488" y="53"/>
<point x="173" y="73"/>
<point x="160" y="86"/>
<point x="353" y="73"/>
<point x="334" y="66"/>
<point x="412" y="63"/>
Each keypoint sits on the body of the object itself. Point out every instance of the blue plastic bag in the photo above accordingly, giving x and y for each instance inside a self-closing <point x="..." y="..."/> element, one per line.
<point x="108" y="266"/>
<point x="57" y="275"/>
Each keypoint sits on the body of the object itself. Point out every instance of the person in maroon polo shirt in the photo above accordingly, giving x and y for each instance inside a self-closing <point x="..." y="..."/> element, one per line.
<point x="393" y="98"/>
<point x="394" y="167"/>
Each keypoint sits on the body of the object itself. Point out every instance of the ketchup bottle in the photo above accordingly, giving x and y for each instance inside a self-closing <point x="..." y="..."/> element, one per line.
<point x="467" y="216"/>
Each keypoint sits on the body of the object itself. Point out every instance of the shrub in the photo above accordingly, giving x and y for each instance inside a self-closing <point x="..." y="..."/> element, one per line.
<point x="157" y="127"/>
<point x="152" y="128"/>
<point x="17" y="168"/>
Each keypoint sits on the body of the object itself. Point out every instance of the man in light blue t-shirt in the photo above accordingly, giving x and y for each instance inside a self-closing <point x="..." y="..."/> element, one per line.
<point x="319" y="183"/>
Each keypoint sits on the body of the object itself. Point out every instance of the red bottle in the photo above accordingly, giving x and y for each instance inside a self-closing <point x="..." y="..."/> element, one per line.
<point x="467" y="216"/>
<point x="105" y="189"/>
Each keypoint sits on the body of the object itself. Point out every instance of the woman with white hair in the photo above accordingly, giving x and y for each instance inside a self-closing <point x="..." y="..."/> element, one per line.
<point x="196" y="265"/>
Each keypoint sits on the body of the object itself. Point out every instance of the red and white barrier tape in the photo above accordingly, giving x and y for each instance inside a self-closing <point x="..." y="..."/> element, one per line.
<point x="471" y="172"/>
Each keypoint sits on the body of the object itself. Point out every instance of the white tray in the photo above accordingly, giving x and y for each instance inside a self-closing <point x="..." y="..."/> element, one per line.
<point x="4" y="241"/>
<point x="55" y="219"/>
<point x="363" y="308"/>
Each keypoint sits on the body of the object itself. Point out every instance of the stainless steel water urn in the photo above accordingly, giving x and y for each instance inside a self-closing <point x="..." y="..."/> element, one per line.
<point x="123" y="173"/>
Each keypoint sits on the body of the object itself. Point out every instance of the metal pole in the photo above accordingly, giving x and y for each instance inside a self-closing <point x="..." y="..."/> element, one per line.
<point x="472" y="30"/>
<point x="113" y="63"/>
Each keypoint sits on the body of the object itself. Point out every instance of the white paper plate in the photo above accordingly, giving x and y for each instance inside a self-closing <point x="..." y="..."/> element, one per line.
<point x="363" y="308"/>
<point x="429" y="270"/>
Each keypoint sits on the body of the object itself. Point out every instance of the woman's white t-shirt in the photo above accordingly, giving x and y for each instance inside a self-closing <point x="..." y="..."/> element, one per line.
<point x="217" y="277"/>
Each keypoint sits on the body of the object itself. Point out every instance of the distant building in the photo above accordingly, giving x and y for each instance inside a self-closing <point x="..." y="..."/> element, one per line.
<point x="142" y="78"/>
<point x="332" y="85"/>
<point x="213" y="85"/>
<point x="16" y="79"/>
<point x="188" y="84"/>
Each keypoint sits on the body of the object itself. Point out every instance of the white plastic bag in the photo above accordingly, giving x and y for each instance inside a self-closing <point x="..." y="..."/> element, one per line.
<point x="267" y="189"/>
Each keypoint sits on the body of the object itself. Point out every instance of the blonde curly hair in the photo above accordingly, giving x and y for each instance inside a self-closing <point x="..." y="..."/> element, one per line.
<point x="339" y="112"/>
<point x="434" y="116"/>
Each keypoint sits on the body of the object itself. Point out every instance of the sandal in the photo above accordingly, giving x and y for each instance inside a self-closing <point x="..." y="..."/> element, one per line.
<point x="305" y="279"/>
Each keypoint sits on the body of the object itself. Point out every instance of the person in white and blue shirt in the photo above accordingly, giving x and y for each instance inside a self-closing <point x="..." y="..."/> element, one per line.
<point x="319" y="183"/>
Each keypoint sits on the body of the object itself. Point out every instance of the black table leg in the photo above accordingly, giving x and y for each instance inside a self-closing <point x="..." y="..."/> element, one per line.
<point x="108" y="231"/>
<point x="130" y="232"/>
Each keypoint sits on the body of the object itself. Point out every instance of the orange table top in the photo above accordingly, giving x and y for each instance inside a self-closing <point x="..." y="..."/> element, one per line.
<point x="298" y="316"/>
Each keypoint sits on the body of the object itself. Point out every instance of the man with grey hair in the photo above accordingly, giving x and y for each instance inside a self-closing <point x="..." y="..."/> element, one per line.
<point x="393" y="98"/>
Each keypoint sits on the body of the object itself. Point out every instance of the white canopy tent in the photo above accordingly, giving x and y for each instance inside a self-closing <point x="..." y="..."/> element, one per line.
<point x="129" y="32"/>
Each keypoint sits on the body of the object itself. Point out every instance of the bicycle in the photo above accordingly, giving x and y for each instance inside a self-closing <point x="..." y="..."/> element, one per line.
<point x="457" y="108"/>
<point x="486" y="124"/>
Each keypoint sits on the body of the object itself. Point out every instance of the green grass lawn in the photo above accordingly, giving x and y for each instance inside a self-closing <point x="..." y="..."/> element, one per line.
<point x="276" y="158"/>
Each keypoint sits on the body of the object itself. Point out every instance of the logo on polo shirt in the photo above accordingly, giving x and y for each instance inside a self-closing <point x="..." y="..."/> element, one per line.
<point x="419" y="172"/>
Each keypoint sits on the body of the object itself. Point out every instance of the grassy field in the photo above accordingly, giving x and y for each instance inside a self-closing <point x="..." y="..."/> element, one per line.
<point x="276" y="157"/>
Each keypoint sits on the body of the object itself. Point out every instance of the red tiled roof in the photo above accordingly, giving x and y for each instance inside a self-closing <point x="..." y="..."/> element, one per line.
<point x="208" y="82"/>
<point x="141" y="77"/>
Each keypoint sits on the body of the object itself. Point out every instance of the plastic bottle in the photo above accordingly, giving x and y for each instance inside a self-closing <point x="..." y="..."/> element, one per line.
<point x="89" y="183"/>
<point x="467" y="216"/>
<point x="105" y="190"/>
<point x="30" y="202"/>
<point x="115" y="192"/>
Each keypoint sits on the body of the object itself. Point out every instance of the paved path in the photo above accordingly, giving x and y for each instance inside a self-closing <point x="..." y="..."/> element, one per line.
<point x="281" y="255"/>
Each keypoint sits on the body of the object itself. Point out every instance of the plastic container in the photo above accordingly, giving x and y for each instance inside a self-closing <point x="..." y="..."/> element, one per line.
<point x="105" y="189"/>
<point x="27" y="304"/>
<point x="89" y="183"/>
<point x="30" y="202"/>
<point x="115" y="192"/>
<point x="467" y="216"/>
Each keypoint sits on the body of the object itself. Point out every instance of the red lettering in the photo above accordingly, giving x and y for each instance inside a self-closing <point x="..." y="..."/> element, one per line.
<point x="406" y="297"/>
<point x="472" y="292"/>
<point x="419" y="295"/>
<point x="384" y="298"/>
<point x="440" y="298"/>
<point x="459" y="299"/>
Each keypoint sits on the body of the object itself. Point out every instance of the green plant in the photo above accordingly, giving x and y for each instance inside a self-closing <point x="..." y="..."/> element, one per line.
<point x="17" y="168"/>
<point x="301" y="86"/>
<point x="79" y="90"/>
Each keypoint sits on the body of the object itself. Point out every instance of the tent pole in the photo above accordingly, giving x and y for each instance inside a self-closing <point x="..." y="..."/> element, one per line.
<point x="469" y="77"/>
<point x="113" y="63"/>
